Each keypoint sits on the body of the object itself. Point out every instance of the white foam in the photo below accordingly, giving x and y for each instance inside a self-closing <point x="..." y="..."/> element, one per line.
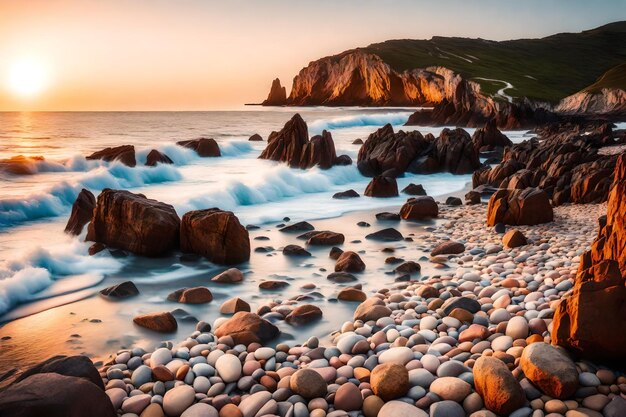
<point x="366" y="119"/>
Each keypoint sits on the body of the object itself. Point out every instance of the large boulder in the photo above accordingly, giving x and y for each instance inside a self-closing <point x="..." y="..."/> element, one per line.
<point x="551" y="370"/>
<point x="497" y="386"/>
<point x="246" y="328"/>
<point x="75" y="366"/>
<point x="529" y="206"/>
<point x="55" y="395"/>
<point x="381" y="186"/>
<point x="82" y="210"/>
<point x="216" y="235"/>
<point x="135" y="223"/>
<point x="455" y="152"/>
<point x="124" y="154"/>
<point x="387" y="151"/>
<point x="419" y="208"/>
<point x="590" y="321"/>
<point x="204" y="147"/>
<point x="489" y="137"/>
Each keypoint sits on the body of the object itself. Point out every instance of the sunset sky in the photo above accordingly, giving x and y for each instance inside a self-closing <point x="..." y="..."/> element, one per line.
<point x="202" y="54"/>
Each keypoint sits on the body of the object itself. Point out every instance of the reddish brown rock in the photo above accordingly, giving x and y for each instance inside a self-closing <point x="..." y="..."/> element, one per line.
<point x="308" y="384"/>
<point x="255" y="138"/>
<point x="204" y="147"/>
<point x="135" y="223"/>
<point x="349" y="261"/>
<point x="414" y="189"/>
<point x="326" y="238"/>
<point x="304" y="314"/>
<point x="371" y="309"/>
<point x="216" y="235"/>
<point x="389" y="381"/>
<point x="455" y="152"/>
<point x="124" y="154"/>
<point x="273" y="285"/>
<point x="489" y="137"/>
<point x="530" y="206"/>
<point x="473" y="332"/>
<point x="162" y="322"/>
<point x="277" y="95"/>
<point x="195" y="295"/>
<point x="351" y="294"/>
<point x="229" y="276"/>
<point x="419" y="208"/>
<point x="381" y="186"/>
<point x="155" y="157"/>
<point x="497" y="386"/>
<point x="82" y="211"/>
<point x="514" y="238"/>
<point x="234" y="305"/>
<point x="348" y="397"/>
<point x="246" y="328"/>
<point x="320" y="150"/>
<point x="427" y="291"/>
<point x="551" y="370"/>
<point x="295" y="250"/>
<point x="448" y="248"/>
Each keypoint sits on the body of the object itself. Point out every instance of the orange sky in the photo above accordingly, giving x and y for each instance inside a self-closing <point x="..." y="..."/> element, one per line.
<point x="203" y="54"/>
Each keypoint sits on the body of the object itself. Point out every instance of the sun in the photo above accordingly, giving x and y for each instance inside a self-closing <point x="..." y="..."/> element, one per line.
<point x="27" y="78"/>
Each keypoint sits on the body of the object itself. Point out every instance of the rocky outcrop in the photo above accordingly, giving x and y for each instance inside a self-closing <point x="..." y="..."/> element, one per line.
<point x="82" y="211"/>
<point x="216" y="235"/>
<point x="606" y="102"/>
<point x="587" y="322"/>
<point x="489" y="138"/>
<point x="204" y="147"/>
<point x="529" y="206"/>
<point x="155" y="157"/>
<point x="124" y="154"/>
<point x="133" y="222"/>
<point x="565" y="161"/>
<point x="455" y="152"/>
<point x="292" y="146"/>
<point x="277" y="95"/>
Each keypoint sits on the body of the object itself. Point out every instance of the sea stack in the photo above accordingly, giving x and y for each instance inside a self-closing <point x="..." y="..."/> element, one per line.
<point x="277" y="95"/>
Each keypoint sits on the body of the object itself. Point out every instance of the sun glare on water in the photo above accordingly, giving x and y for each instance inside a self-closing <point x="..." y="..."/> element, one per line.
<point x="26" y="78"/>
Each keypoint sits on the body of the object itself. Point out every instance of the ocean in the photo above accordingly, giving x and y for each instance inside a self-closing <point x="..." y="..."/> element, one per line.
<point x="42" y="268"/>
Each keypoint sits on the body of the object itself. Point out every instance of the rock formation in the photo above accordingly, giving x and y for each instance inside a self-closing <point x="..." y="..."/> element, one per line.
<point x="204" y="147"/>
<point x="292" y="146"/>
<point x="277" y="95"/>
<point x="606" y="102"/>
<point x="216" y="235"/>
<point x="125" y="154"/>
<point x="588" y="321"/>
<point x="527" y="206"/>
<point x="133" y="222"/>
<point x="82" y="210"/>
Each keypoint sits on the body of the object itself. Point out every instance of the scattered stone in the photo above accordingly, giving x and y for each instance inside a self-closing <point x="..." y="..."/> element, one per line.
<point x="389" y="381"/>
<point x="229" y="276"/>
<point x="295" y="250"/>
<point x="550" y="370"/>
<point x="419" y="208"/>
<point x="454" y="201"/>
<point x="308" y="384"/>
<point x="162" y="322"/>
<point x="386" y="235"/>
<point x="298" y="227"/>
<point x="349" y="261"/>
<point x="304" y="314"/>
<point x="448" y="248"/>
<point x="246" y="328"/>
<point x="346" y="194"/>
<point x="195" y="295"/>
<point x="204" y="147"/>
<point x="414" y="189"/>
<point x="497" y="386"/>
<point x="326" y="238"/>
<point x="513" y="239"/>
<point x="234" y="305"/>
<point x="122" y="290"/>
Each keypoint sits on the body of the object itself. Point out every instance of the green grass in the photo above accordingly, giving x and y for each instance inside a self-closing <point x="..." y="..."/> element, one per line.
<point x="559" y="65"/>
<point x="613" y="78"/>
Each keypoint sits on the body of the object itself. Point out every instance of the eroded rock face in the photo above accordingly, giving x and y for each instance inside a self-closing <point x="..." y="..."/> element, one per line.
<point x="82" y="211"/>
<point x="216" y="235"/>
<point x="135" y="223"/>
<point x="530" y="206"/>
<point x="246" y="328"/>
<point x="291" y="145"/>
<point x="204" y="147"/>
<point x="125" y="154"/>
<point x="277" y="95"/>
<point x="587" y="322"/>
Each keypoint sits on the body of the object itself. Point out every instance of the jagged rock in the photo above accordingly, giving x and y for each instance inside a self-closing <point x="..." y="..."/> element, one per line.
<point x="358" y="141"/>
<point x="125" y="154"/>
<point x="530" y="206"/>
<point x="514" y="238"/>
<point x="341" y="277"/>
<point x="135" y="223"/>
<point x="385" y="150"/>
<point x="52" y="394"/>
<point x="489" y="137"/>
<point x="82" y="211"/>
<point x="246" y="328"/>
<point x="419" y="208"/>
<point x="381" y="186"/>
<point x="204" y="147"/>
<point x="277" y="95"/>
<point x="155" y="157"/>
<point x="255" y="138"/>
<point x="455" y="152"/>
<point x="346" y="194"/>
<point x="414" y="189"/>
<point x="216" y="235"/>
<point x="292" y="146"/>
<point x="123" y="290"/>
<point x="162" y="322"/>
<point x="349" y="261"/>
